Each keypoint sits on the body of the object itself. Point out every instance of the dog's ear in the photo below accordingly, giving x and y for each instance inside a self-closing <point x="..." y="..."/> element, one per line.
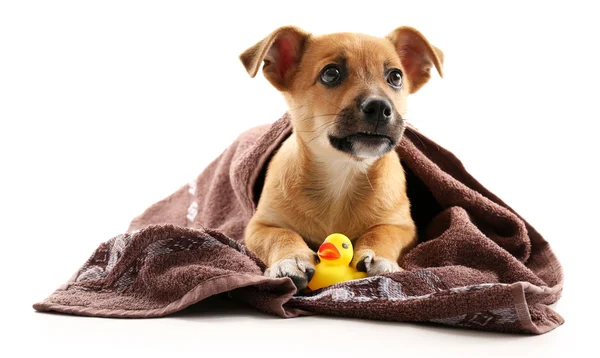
<point x="417" y="55"/>
<point x="280" y="51"/>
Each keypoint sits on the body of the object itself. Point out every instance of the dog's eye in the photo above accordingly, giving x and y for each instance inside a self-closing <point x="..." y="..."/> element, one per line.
<point x="394" y="78"/>
<point x="345" y="245"/>
<point x="331" y="75"/>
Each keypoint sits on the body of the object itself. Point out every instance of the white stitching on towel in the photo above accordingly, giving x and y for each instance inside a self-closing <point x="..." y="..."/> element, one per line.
<point x="192" y="187"/>
<point x="192" y="211"/>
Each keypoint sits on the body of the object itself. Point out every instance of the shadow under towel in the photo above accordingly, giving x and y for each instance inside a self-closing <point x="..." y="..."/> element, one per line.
<point x="478" y="264"/>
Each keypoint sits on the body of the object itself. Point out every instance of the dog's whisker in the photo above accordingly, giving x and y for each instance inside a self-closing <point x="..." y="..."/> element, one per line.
<point x="369" y="181"/>
<point x="314" y="130"/>
<point x="353" y="176"/>
<point x="318" y="116"/>
<point x="342" y="187"/>
<point x="325" y="127"/>
<point x="321" y="128"/>
<point x="416" y="135"/>
<point x="325" y="124"/>
<point x="295" y="109"/>
<point x="325" y="99"/>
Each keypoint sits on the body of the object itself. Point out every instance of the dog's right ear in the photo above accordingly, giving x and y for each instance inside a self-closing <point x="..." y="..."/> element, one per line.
<point x="281" y="52"/>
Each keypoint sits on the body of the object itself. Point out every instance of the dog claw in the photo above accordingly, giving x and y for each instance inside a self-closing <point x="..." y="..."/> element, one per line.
<point x="375" y="266"/>
<point x="300" y="271"/>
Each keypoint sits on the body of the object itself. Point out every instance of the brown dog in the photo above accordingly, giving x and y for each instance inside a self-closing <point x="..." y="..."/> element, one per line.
<point x="338" y="171"/>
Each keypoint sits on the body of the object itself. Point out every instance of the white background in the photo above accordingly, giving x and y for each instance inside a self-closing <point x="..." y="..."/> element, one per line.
<point x="108" y="106"/>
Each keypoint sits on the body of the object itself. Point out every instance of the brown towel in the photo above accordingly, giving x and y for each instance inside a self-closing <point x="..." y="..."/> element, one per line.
<point x="478" y="265"/>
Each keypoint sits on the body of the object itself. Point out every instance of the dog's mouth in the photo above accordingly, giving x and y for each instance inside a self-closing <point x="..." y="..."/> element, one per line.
<point x="363" y="144"/>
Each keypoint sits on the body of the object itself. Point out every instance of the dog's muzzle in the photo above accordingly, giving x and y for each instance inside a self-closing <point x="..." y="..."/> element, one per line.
<point x="369" y="129"/>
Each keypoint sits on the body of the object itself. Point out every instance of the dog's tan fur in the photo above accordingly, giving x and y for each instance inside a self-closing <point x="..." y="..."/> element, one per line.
<point x="312" y="189"/>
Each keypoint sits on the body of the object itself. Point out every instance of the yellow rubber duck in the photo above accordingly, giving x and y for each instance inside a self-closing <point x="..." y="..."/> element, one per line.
<point x="335" y="253"/>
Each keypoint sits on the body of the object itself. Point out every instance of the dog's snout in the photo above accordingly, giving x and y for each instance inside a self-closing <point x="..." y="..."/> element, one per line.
<point x="376" y="110"/>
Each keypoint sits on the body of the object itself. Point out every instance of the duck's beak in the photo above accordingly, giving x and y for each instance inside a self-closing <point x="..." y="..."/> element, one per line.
<point x="328" y="251"/>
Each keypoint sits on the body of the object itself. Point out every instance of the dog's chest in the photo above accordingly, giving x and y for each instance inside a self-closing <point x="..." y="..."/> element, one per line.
<point x="342" y="196"/>
<point x="350" y="211"/>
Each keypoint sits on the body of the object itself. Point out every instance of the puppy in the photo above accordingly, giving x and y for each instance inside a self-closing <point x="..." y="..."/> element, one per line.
<point x="338" y="171"/>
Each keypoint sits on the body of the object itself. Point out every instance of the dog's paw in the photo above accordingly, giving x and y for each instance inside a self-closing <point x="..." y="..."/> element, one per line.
<point x="374" y="265"/>
<point x="300" y="270"/>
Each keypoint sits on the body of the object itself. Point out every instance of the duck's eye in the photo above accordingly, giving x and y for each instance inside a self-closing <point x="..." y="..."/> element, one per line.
<point x="345" y="245"/>
<point x="331" y="75"/>
<point x="394" y="78"/>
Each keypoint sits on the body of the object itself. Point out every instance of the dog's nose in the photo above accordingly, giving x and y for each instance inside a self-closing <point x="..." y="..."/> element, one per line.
<point x="377" y="110"/>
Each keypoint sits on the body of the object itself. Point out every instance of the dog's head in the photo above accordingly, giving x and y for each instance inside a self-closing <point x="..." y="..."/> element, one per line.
<point x="346" y="92"/>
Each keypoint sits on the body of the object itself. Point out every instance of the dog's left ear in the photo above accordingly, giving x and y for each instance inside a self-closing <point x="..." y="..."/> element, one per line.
<point x="417" y="55"/>
<point x="281" y="52"/>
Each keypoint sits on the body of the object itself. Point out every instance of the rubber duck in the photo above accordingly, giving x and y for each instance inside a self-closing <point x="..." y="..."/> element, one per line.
<point x="335" y="254"/>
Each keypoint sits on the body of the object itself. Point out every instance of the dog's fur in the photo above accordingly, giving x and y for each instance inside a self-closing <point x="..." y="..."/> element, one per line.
<point x="338" y="171"/>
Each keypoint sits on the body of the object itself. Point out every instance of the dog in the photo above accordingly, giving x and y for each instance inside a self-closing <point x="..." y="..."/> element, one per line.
<point x="338" y="171"/>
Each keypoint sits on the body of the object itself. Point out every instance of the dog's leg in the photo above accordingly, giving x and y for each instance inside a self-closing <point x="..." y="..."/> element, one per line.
<point x="283" y="251"/>
<point x="379" y="249"/>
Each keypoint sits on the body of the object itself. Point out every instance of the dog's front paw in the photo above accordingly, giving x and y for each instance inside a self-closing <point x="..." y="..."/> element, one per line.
<point x="375" y="265"/>
<point x="300" y="270"/>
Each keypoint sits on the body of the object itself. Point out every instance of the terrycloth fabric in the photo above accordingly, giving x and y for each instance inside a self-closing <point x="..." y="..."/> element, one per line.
<point x="478" y="264"/>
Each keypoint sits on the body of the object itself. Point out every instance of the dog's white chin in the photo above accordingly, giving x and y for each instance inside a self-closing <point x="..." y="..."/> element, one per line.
<point x="368" y="151"/>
